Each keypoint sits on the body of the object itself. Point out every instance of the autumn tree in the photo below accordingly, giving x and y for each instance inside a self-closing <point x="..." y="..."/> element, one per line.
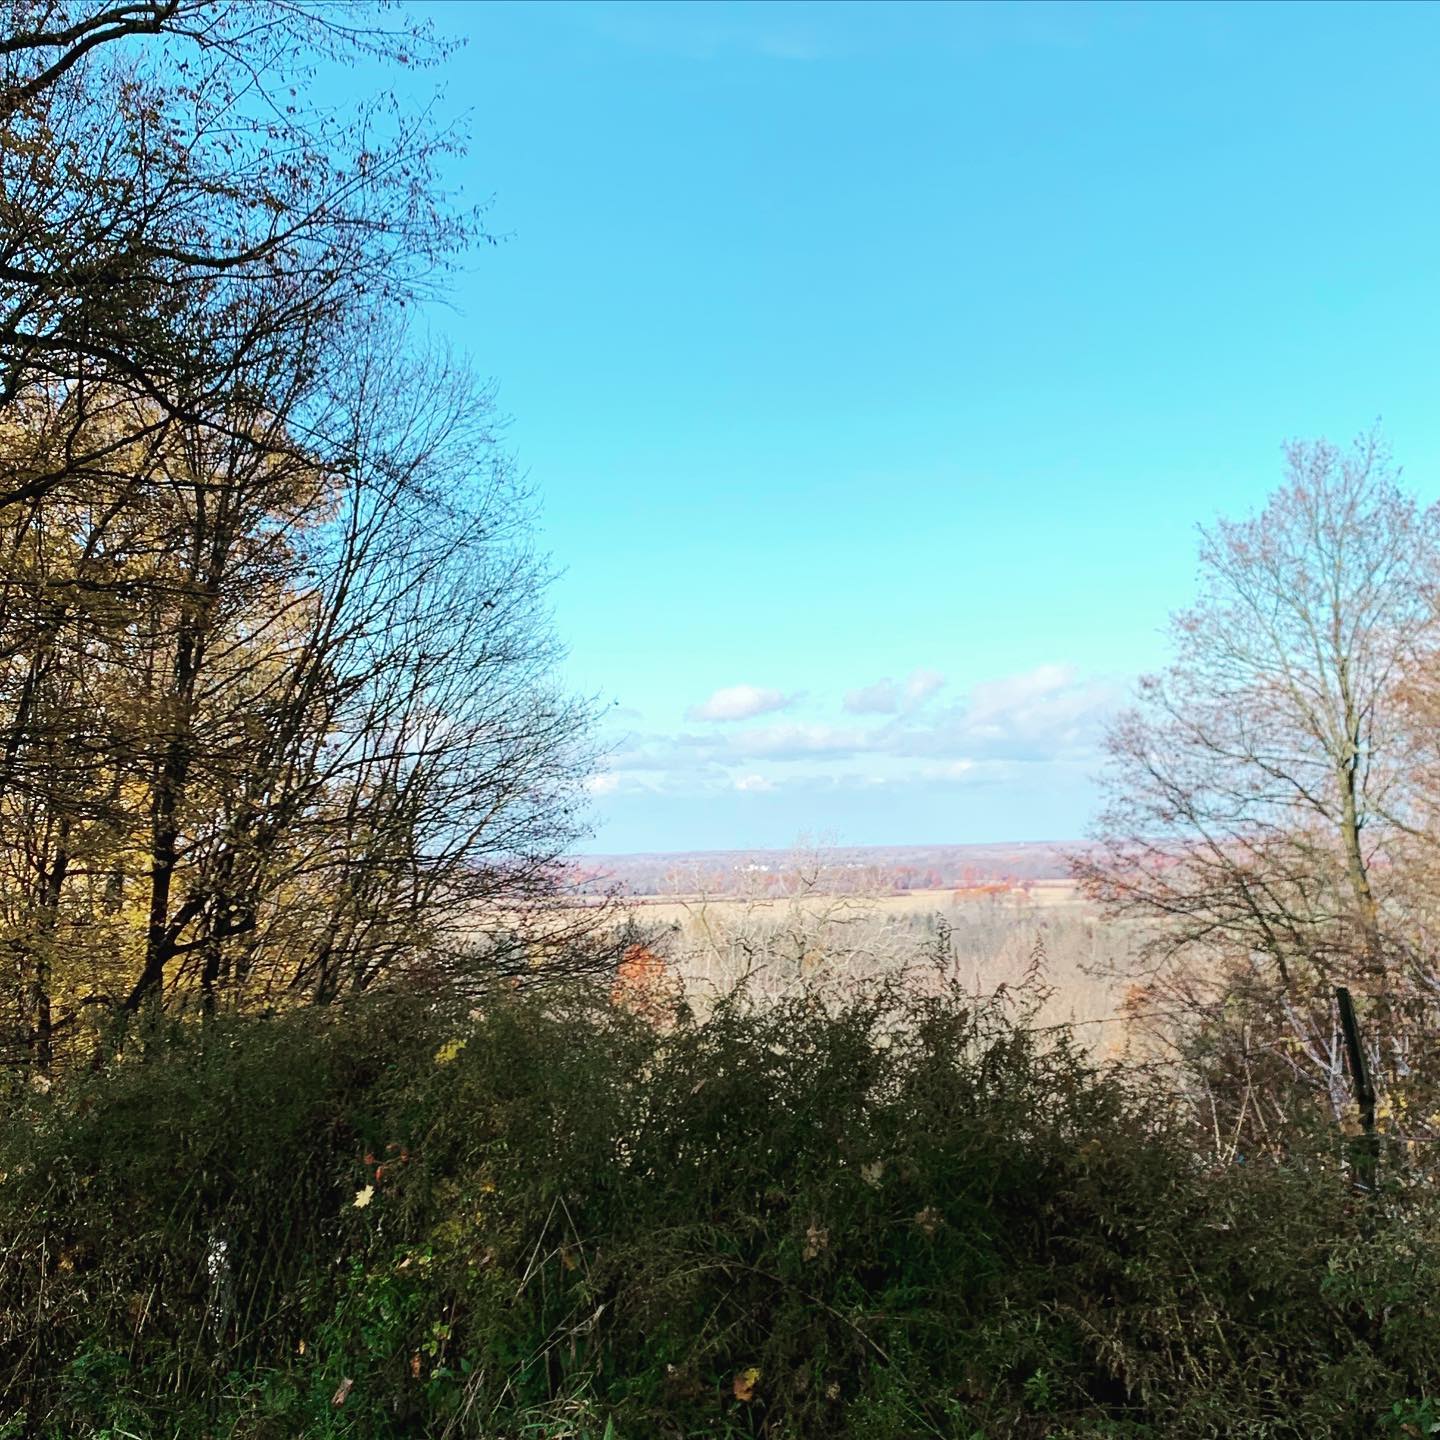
<point x="275" y="670"/>
<point x="275" y="731"/>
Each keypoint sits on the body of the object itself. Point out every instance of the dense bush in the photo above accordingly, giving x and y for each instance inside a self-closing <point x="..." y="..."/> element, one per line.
<point x="904" y="1217"/>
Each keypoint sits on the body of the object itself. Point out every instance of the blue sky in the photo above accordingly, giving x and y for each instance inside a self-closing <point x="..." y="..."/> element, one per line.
<point x="874" y="363"/>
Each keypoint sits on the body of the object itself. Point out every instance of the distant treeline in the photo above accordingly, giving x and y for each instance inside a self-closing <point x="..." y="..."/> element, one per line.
<point x="854" y="868"/>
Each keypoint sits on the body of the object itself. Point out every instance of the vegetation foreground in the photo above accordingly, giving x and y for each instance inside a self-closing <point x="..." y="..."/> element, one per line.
<point x="906" y="1214"/>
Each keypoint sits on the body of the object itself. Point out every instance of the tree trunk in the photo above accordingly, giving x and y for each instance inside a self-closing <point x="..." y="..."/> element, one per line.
<point x="52" y="882"/>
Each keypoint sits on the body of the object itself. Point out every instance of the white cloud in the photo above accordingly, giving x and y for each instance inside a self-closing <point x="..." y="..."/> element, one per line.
<point x="921" y="685"/>
<point x="798" y="742"/>
<point x="881" y="698"/>
<point x="950" y="770"/>
<point x="1013" y="693"/>
<point x="1007" y="730"/>
<point x="887" y="697"/>
<point x="754" y="782"/>
<point x="603" y="784"/>
<point x="1048" y="713"/>
<point x="739" y="702"/>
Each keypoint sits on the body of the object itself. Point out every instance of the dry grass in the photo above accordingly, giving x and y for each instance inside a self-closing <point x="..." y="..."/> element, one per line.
<point x="816" y="935"/>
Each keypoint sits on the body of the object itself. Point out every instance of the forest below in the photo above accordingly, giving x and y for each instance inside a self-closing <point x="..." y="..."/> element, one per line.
<point x="337" y="1099"/>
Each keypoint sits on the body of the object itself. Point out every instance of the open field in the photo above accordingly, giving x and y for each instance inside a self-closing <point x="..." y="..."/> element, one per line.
<point x="775" y="943"/>
<point x="1046" y="895"/>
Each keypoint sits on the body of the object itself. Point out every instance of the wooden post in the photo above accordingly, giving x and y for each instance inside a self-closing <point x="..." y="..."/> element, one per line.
<point x="1368" y="1151"/>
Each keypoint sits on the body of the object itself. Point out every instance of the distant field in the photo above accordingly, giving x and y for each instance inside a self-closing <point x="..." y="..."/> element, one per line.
<point x="1043" y="895"/>
<point x="984" y="941"/>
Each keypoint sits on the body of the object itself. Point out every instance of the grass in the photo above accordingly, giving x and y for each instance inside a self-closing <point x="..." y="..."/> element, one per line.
<point x="777" y="945"/>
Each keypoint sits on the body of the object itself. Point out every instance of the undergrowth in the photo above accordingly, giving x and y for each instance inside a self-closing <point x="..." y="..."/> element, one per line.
<point x="892" y="1217"/>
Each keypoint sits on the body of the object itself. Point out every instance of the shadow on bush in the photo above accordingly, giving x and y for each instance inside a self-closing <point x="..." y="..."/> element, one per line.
<point x="900" y="1217"/>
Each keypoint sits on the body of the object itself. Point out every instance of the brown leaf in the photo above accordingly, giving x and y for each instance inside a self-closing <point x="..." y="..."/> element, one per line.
<point x="816" y="1239"/>
<point x="929" y="1220"/>
<point x="342" y="1392"/>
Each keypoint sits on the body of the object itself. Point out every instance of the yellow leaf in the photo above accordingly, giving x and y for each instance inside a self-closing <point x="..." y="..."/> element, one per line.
<point x="448" y="1051"/>
<point x="364" y="1196"/>
<point x="745" y="1383"/>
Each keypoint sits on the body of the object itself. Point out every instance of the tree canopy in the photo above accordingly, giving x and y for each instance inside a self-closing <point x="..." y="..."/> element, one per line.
<point x="276" y="689"/>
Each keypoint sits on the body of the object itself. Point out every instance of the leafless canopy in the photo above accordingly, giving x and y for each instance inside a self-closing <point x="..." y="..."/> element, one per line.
<point x="1262" y="791"/>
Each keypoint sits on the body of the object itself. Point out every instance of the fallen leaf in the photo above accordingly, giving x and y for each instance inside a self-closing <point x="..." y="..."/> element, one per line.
<point x="342" y="1392"/>
<point x="364" y="1196"/>
<point x="816" y="1240"/>
<point x="745" y="1383"/>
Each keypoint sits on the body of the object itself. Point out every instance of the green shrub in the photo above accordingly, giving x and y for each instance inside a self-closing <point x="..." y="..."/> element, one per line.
<point x="903" y="1216"/>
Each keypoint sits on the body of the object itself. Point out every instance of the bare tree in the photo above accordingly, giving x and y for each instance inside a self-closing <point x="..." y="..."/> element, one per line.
<point x="177" y="222"/>
<point x="1269" y="807"/>
<point x="1261" y="790"/>
<point x="422" y="768"/>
